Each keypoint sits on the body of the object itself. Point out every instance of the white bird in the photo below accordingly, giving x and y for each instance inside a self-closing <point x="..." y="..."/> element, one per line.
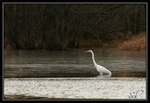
<point x="99" y="68"/>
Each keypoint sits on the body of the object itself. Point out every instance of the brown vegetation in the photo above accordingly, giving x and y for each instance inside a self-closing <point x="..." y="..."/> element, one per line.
<point x="136" y="43"/>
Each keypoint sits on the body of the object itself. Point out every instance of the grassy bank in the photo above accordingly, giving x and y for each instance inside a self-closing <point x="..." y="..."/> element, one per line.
<point x="119" y="41"/>
<point x="135" y="43"/>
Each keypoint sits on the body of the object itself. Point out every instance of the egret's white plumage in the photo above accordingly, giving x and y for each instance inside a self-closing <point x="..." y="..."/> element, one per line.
<point x="99" y="68"/>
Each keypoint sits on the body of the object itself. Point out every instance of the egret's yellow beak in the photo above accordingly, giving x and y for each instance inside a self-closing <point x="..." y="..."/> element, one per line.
<point x="86" y="51"/>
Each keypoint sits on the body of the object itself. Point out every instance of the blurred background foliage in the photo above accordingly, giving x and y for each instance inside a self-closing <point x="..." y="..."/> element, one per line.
<point x="62" y="26"/>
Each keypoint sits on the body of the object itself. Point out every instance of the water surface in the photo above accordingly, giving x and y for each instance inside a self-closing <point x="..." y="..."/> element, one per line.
<point x="73" y="63"/>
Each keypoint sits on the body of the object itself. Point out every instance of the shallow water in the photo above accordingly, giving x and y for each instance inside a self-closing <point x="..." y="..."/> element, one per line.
<point x="73" y="63"/>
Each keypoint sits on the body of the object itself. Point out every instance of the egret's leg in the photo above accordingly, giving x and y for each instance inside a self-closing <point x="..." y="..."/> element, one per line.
<point x="101" y="74"/>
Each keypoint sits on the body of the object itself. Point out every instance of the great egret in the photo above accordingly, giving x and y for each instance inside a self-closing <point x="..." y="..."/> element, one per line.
<point x="99" y="68"/>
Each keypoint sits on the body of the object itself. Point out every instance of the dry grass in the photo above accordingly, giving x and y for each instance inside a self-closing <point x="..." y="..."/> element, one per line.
<point x="136" y="43"/>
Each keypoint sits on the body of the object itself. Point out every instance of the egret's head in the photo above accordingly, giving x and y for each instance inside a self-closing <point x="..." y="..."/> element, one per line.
<point x="88" y="51"/>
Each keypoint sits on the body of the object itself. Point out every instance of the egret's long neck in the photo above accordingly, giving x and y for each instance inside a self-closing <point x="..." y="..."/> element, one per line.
<point x="93" y="59"/>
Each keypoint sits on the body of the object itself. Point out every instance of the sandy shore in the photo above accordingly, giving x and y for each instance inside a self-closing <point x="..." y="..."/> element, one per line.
<point x="77" y="88"/>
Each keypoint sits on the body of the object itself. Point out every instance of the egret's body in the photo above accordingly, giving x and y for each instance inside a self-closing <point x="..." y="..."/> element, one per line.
<point x="99" y="68"/>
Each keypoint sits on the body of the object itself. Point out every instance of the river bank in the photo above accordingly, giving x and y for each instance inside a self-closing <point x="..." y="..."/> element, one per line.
<point x="131" y="43"/>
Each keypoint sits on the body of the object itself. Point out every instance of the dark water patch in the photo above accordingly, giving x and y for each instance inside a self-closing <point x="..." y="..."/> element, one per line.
<point x="129" y="74"/>
<point x="7" y="97"/>
<point x="26" y="72"/>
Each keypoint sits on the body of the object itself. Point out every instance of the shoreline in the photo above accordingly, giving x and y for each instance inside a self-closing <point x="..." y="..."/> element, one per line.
<point x="75" y="88"/>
